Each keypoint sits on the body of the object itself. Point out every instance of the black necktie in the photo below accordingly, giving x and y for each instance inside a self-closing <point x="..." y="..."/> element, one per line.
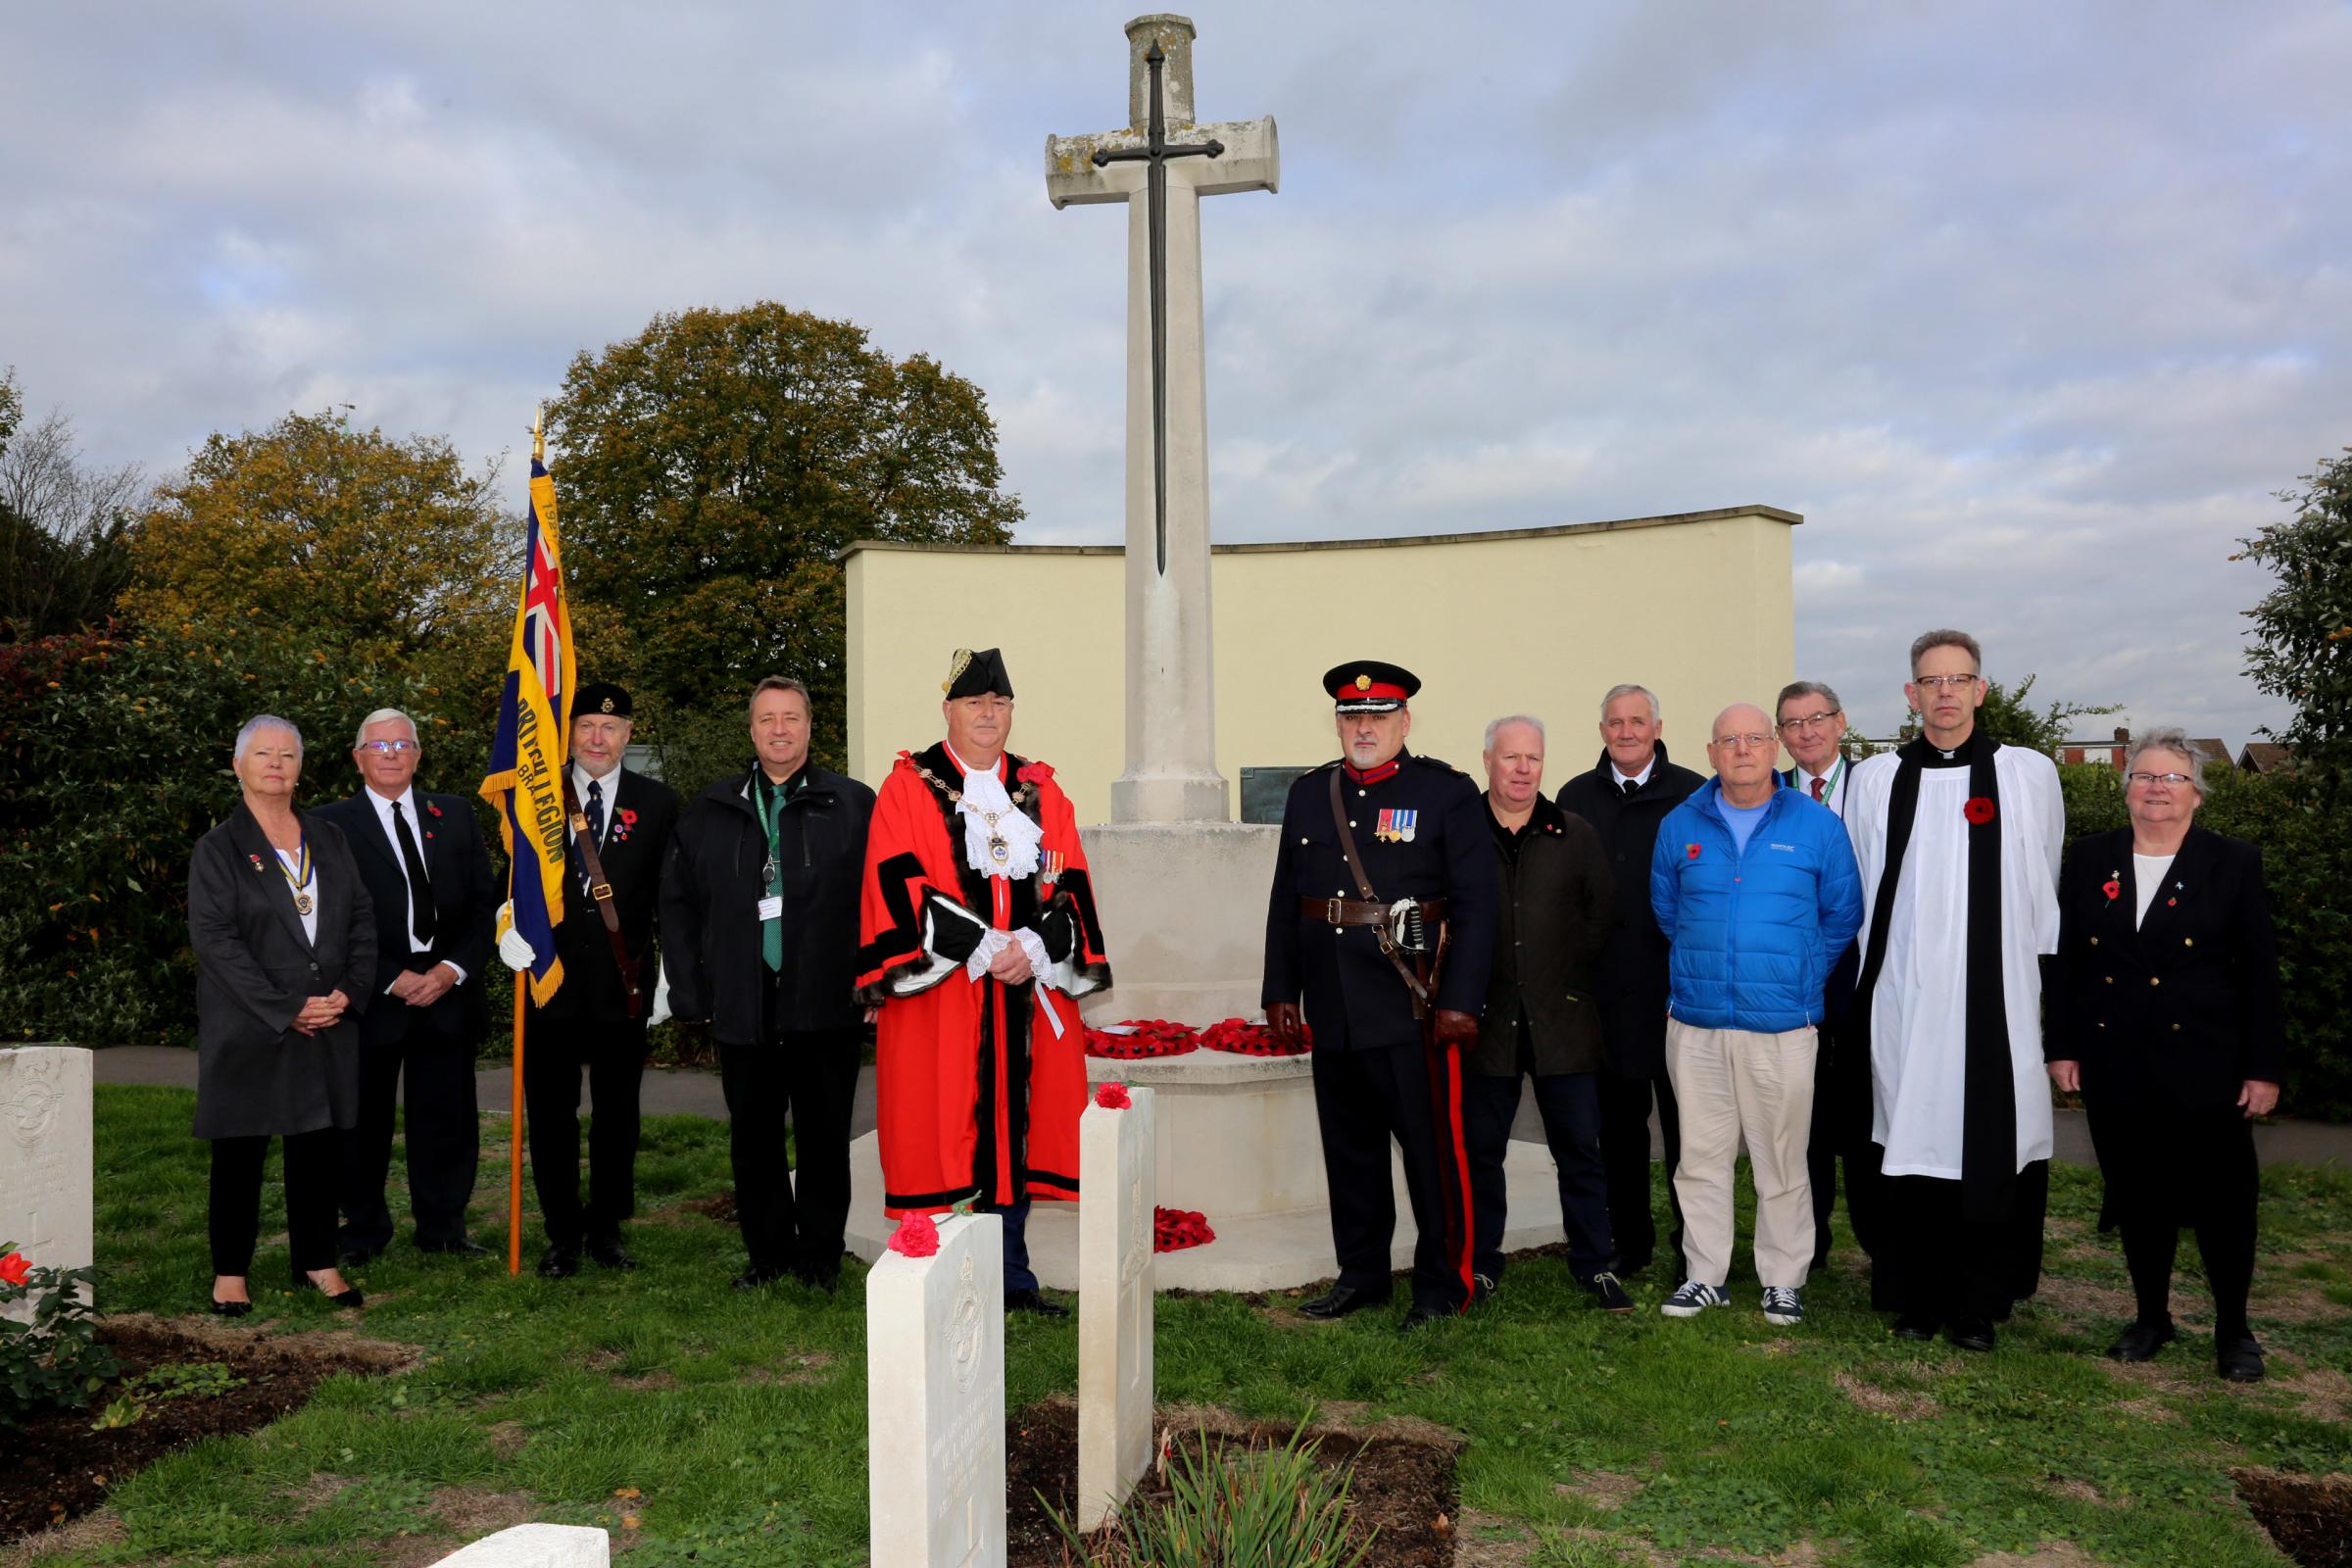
<point x="420" y="890"/>
<point x="1629" y="785"/>
<point x="596" y="829"/>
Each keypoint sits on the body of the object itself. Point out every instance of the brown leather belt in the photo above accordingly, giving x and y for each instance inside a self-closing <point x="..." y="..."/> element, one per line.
<point x="1357" y="912"/>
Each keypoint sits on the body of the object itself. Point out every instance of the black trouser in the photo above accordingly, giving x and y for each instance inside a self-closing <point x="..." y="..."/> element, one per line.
<point x="1362" y="1099"/>
<point x="2174" y="1167"/>
<point x="1570" y="1106"/>
<point x="1945" y="1265"/>
<point x="444" y="1138"/>
<point x="554" y="1051"/>
<point x="812" y="1077"/>
<point x="234" y="1218"/>
<point x="1842" y="1112"/>
<point x="1625" y="1153"/>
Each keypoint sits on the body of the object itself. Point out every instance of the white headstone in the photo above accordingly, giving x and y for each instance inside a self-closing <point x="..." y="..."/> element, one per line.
<point x="935" y="1402"/>
<point x="46" y="1157"/>
<point x="1116" y="1171"/>
<point x="536" y="1546"/>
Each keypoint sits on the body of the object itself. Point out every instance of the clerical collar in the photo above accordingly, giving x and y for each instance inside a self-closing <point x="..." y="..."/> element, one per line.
<point x="1372" y="775"/>
<point x="1935" y="756"/>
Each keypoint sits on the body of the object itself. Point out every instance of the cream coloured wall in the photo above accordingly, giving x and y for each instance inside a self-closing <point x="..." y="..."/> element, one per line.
<point x="1696" y="606"/>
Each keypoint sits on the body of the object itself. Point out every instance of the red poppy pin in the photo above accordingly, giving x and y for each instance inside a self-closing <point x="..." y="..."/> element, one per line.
<point x="256" y="859"/>
<point x="2113" y="890"/>
<point x="431" y="808"/>
<point x="1035" y="773"/>
<point x="628" y="819"/>
<point x="918" y="1236"/>
<point x="1978" y="810"/>
<point x="1690" y="852"/>
<point x="1112" y="1096"/>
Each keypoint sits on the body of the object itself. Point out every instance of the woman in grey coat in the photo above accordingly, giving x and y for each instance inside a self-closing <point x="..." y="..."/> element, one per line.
<point x="284" y="939"/>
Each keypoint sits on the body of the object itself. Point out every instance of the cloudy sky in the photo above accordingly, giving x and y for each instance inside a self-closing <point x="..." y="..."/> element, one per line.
<point x="2029" y="308"/>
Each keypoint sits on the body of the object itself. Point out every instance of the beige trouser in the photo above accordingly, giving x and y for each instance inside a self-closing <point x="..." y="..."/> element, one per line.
<point x="1731" y="1082"/>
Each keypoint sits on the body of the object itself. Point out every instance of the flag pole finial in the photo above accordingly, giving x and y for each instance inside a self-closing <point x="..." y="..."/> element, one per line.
<point x="539" y="433"/>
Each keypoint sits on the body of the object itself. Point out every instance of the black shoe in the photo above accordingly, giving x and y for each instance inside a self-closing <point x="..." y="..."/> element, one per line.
<point x="223" y="1309"/>
<point x="462" y="1247"/>
<point x="2238" y="1360"/>
<point x="758" y="1274"/>
<point x="1484" y="1288"/>
<point x="1969" y="1333"/>
<point x="352" y="1255"/>
<point x="1915" y="1326"/>
<point x="558" y="1262"/>
<point x="1635" y="1265"/>
<point x="1031" y="1302"/>
<point x="1340" y="1301"/>
<point x="1420" y="1315"/>
<point x="349" y="1296"/>
<point x="2142" y="1340"/>
<point x="1609" y="1292"/>
<point x="607" y="1251"/>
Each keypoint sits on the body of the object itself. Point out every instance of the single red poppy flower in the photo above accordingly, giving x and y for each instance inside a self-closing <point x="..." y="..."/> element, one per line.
<point x="1112" y="1096"/>
<point x="1690" y="852"/>
<point x="2113" y="890"/>
<point x="917" y="1236"/>
<point x="628" y="819"/>
<point x="430" y="807"/>
<point x="1978" y="808"/>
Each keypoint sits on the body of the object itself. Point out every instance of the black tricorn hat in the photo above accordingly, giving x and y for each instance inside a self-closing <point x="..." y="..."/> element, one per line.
<point x="971" y="675"/>
<point x="1369" y="686"/>
<point x="601" y="697"/>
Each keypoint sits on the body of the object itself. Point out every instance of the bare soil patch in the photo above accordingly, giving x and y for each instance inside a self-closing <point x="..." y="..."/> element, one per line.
<point x="719" y="1206"/>
<point x="2309" y="1517"/>
<point x="56" y="1468"/>
<point x="1602" y="1488"/>
<point x="1403" y="1485"/>
<point x="1902" y="1405"/>
<point x="2045" y="1554"/>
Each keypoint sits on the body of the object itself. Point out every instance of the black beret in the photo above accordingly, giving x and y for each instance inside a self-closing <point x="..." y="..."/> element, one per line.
<point x="971" y="675"/>
<point x="601" y="697"/>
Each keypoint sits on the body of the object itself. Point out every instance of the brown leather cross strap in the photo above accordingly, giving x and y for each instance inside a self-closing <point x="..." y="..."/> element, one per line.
<point x="1356" y="912"/>
<point x="599" y="893"/>
<point x="1363" y="884"/>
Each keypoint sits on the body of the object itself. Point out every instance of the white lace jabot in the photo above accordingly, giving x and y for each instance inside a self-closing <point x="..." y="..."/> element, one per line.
<point x="983" y="797"/>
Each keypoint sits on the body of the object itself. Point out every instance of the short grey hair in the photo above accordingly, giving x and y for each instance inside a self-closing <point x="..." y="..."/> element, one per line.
<point x="260" y="722"/>
<point x="1805" y="688"/>
<point x="1946" y="637"/>
<point x="383" y="715"/>
<point x="1495" y="727"/>
<point x="2166" y="738"/>
<point x="782" y="683"/>
<point x="1630" y="690"/>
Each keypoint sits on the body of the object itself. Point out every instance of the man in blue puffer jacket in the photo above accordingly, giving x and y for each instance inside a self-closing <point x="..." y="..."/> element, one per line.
<point x="1756" y="890"/>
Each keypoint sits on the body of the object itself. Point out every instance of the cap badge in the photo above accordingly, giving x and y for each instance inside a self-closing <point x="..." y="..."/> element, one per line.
<point x="955" y="669"/>
<point x="1363" y="683"/>
<point x="606" y="706"/>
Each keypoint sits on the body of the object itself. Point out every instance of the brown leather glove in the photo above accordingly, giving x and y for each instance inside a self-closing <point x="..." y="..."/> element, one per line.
<point x="1283" y="1018"/>
<point x="1456" y="1029"/>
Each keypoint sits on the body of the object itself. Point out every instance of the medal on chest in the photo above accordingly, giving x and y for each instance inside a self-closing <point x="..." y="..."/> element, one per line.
<point x="1396" y="824"/>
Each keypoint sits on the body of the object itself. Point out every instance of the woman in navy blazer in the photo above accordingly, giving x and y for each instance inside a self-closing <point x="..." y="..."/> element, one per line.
<point x="284" y="938"/>
<point x="2167" y="1017"/>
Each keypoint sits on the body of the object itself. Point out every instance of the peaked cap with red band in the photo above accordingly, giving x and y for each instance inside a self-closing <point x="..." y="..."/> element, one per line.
<point x="1369" y="686"/>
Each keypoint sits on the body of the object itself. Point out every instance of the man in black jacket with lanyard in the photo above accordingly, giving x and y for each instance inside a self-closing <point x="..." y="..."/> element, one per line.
<point x="1625" y="797"/>
<point x="760" y="931"/>
<point x="1382" y="914"/>
<point x="592" y="1022"/>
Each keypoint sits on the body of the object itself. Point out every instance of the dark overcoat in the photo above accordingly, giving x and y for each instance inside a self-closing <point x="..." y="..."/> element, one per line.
<point x="1558" y="907"/>
<point x="255" y="1075"/>
<point x="1633" y="967"/>
<point x="644" y="814"/>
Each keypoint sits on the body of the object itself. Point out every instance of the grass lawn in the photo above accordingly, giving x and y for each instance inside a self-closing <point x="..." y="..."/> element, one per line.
<point x="708" y="1427"/>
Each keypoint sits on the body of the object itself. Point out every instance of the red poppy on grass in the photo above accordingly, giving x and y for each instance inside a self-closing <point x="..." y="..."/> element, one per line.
<point x="1978" y="808"/>
<point x="916" y="1237"/>
<point x="1112" y="1096"/>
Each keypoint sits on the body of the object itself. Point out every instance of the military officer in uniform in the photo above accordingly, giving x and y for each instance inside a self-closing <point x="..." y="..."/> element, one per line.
<point x="1382" y="915"/>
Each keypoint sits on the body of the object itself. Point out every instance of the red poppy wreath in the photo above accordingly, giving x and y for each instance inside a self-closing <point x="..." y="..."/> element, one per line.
<point x="1145" y="1037"/>
<point x="1246" y="1038"/>
<point x="1175" y="1229"/>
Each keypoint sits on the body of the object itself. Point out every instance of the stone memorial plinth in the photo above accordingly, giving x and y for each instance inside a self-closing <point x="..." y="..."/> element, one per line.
<point x="536" y="1546"/>
<point x="935" y="1402"/>
<point x="46" y="1157"/>
<point x="1115" y="1286"/>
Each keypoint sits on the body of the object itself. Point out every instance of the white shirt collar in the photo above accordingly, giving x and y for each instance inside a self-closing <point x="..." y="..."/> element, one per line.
<point x="1830" y="780"/>
<point x="407" y="802"/>
<point x="1624" y="778"/>
<point x="581" y="778"/>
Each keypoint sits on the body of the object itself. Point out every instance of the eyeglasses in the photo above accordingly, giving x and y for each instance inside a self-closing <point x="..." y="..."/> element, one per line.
<point x="1799" y="726"/>
<point x="1938" y="683"/>
<point x="2173" y="779"/>
<point x="1749" y="741"/>
<point x="390" y="748"/>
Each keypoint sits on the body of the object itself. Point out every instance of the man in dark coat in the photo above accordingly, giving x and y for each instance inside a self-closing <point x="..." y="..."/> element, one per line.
<point x="428" y="879"/>
<point x="760" y="931"/>
<point x="1541" y="1019"/>
<point x="1387" y="1048"/>
<point x="1625" y="797"/>
<point x="589" y="1024"/>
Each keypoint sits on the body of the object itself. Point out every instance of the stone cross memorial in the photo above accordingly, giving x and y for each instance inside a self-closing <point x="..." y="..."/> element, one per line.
<point x="45" y="1159"/>
<point x="1116" y="1171"/>
<point x="1171" y="763"/>
<point x="536" y="1546"/>
<point x="935" y="1402"/>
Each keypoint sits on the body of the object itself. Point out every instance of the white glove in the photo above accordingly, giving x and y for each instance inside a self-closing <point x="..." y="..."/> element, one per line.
<point x="516" y="953"/>
<point x="660" y="1012"/>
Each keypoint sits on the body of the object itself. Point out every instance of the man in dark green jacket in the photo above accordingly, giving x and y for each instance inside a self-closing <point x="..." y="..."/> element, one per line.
<point x="1541" y="1019"/>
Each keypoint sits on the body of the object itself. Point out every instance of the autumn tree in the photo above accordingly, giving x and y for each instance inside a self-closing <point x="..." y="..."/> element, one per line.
<point x="711" y="470"/>
<point x="2303" y="627"/>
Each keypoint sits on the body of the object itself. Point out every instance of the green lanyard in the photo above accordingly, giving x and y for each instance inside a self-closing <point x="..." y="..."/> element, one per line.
<point x="771" y="825"/>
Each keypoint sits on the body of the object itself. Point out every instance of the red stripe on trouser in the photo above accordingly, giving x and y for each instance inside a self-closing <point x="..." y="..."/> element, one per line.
<point x="1461" y="1168"/>
<point x="1445" y="1065"/>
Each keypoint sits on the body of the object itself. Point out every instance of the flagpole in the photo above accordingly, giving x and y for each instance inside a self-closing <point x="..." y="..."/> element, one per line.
<point x="521" y="999"/>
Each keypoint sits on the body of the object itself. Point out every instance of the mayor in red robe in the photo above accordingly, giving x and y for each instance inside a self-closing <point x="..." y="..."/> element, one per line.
<point x="978" y="930"/>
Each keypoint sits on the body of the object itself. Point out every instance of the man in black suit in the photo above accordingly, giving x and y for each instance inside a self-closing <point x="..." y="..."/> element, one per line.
<point x="1626" y="796"/>
<point x="421" y="857"/>
<point x="589" y="1024"/>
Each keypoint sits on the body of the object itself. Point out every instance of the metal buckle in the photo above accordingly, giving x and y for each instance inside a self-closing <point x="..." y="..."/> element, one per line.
<point x="1331" y="912"/>
<point x="602" y="891"/>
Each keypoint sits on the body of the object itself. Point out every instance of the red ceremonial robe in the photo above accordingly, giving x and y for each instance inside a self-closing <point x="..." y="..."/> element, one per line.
<point x="977" y="1094"/>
